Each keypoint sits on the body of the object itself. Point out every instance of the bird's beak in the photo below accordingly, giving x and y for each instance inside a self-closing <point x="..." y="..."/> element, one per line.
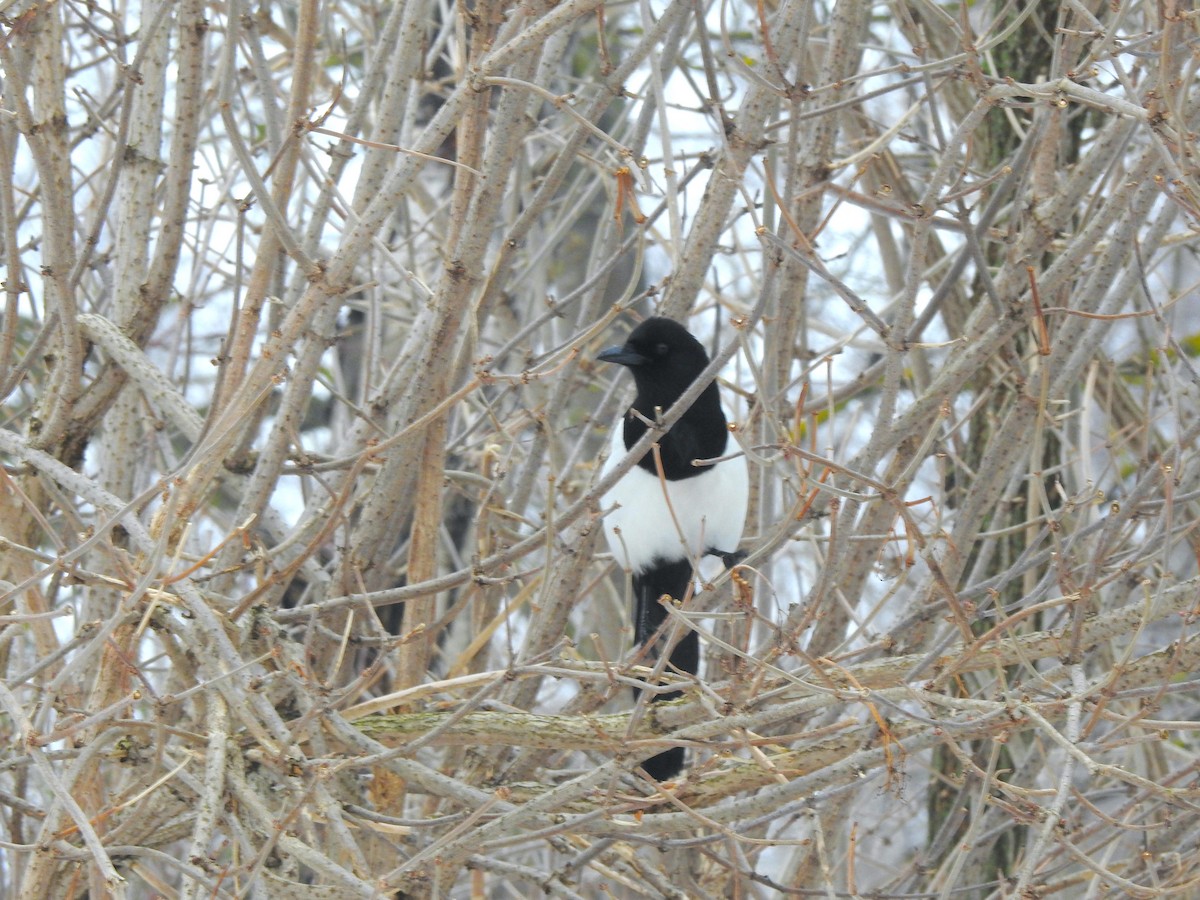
<point x="622" y="356"/>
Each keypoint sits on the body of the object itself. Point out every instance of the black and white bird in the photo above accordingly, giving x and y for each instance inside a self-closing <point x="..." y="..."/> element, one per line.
<point x="669" y="511"/>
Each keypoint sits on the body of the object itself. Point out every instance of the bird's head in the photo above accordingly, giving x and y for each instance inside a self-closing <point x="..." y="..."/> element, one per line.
<point x="663" y="357"/>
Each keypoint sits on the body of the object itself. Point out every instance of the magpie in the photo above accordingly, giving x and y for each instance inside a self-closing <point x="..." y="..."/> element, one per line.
<point x="670" y="511"/>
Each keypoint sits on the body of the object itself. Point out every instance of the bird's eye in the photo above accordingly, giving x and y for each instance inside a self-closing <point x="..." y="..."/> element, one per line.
<point x="661" y="349"/>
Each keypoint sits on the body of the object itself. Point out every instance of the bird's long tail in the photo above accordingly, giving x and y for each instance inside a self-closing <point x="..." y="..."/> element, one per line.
<point x="672" y="579"/>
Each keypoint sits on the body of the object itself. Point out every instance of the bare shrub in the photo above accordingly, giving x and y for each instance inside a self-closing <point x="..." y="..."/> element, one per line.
<point x="302" y="589"/>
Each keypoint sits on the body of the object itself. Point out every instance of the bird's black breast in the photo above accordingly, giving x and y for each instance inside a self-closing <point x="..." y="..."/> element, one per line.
<point x="684" y="442"/>
<point x="701" y="433"/>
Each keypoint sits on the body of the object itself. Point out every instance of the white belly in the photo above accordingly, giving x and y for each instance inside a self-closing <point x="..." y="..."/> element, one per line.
<point x="706" y="512"/>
